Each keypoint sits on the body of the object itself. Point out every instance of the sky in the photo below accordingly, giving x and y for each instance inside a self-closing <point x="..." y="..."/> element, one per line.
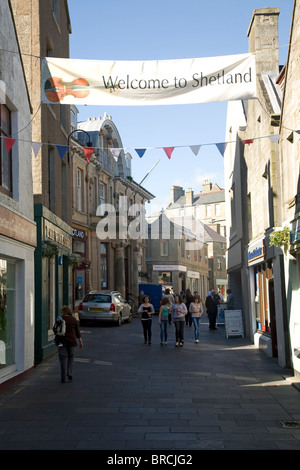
<point x="162" y="30"/>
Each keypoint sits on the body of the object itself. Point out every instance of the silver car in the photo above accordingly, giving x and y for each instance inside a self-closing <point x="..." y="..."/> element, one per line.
<point x="104" y="306"/>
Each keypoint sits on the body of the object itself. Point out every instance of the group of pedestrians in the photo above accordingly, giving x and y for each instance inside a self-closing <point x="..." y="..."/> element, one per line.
<point x="178" y="310"/>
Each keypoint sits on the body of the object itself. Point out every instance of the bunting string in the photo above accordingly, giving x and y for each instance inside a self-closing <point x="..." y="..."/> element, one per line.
<point x="88" y="151"/>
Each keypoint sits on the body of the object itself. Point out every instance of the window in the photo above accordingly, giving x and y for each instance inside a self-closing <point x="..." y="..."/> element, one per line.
<point x="101" y="193"/>
<point x="218" y="210"/>
<point x="208" y="211"/>
<point x="103" y="265"/>
<point x="164" y="248"/>
<point x="51" y="279"/>
<point x="5" y="157"/>
<point x="79" y="190"/>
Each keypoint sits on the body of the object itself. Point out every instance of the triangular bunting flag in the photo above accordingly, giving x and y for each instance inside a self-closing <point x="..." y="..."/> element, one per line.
<point x="61" y="150"/>
<point x="195" y="149"/>
<point x="116" y="152"/>
<point x="140" y="152"/>
<point x="36" y="147"/>
<point x="169" y="151"/>
<point x="221" y="147"/>
<point x="274" y="138"/>
<point x="248" y="141"/>
<point x="298" y="132"/>
<point x="9" y="143"/>
<point x="88" y="152"/>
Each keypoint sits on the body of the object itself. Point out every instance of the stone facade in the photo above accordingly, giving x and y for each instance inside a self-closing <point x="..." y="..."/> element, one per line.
<point x="105" y="182"/>
<point x="44" y="31"/>
<point x="261" y="170"/>
<point x="17" y="227"/>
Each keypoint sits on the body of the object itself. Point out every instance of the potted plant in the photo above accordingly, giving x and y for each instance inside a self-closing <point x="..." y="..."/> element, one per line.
<point x="49" y="249"/>
<point x="84" y="264"/>
<point x="280" y="238"/>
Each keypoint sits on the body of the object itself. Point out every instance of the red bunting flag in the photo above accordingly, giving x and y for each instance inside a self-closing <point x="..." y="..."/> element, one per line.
<point x="88" y="152"/>
<point x="248" y="141"/>
<point x="169" y="151"/>
<point x="9" y="143"/>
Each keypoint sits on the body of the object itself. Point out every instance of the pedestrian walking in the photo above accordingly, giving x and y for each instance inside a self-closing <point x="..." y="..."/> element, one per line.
<point x="163" y="316"/>
<point x="67" y="343"/>
<point x="170" y="298"/>
<point x="178" y="318"/>
<point x="188" y="300"/>
<point x="196" y="311"/>
<point x="146" y="309"/>
<point x="211" y="305"/>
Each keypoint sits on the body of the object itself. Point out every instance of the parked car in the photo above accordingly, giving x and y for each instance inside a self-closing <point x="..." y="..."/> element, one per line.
<point x="104" y="306"/>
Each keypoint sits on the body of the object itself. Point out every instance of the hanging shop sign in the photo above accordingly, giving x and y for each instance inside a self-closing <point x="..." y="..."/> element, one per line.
<point x="154" y="82"/>
<point x="256" y="253"/>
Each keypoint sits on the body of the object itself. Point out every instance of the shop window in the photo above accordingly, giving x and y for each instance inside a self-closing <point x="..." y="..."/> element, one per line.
<point x="7" y="313"/>
<point x="51" y="292"/>
<point x="5" y="157"/>
<point x="262" y="277"/>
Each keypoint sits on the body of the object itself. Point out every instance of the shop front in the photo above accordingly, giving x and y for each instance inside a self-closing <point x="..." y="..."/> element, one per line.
<point x="262" y="299"/>
<point x="17" y="245"/>
<point x="79" y="247"/>
<point x="170" y="274"/>
<point x="53" y="276"/>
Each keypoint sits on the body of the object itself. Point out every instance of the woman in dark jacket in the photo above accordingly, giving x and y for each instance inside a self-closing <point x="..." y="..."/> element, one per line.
<point x="66" y="344"/>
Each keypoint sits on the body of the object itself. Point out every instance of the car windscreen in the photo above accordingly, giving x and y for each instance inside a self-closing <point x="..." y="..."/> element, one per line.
<point x="103" y="299"/>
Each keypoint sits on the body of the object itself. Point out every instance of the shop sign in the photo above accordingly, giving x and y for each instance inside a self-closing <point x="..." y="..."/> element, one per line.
<point x="168" y="267"/>
<point x="193" y="274"/>
<point x="295" y="231"/>
<point x="57" y="236"/>
<point x="256" y="252"/>
<point x="78" y="233"/>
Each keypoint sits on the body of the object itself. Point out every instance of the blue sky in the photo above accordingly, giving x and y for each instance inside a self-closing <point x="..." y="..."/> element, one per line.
<point x="168" y="29"/>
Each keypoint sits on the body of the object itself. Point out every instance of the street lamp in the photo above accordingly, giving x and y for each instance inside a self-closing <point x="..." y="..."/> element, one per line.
<point x="89" y="144"/>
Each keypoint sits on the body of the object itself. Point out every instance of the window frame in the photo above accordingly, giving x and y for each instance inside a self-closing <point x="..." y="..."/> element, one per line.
<point x="5" y="133"/>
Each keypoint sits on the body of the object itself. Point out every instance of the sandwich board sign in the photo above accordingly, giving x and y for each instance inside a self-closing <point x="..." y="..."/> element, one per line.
<point x="234" y="323"/>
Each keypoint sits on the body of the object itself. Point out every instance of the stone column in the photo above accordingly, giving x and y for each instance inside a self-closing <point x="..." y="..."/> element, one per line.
<point x="119" y="267"/>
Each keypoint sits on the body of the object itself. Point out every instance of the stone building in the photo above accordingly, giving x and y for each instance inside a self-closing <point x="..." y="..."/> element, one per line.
<point x="175" y="258"/>
<point x="43" y="30"/>
<point x="289" y="186"/>
<point x="17" y="226"/>
<point x="104" y="184"/>
<point x="261" y="170"/>
<point x="208" y="208"/>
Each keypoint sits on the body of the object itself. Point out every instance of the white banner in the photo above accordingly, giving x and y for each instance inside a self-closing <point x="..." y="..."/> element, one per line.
<point x="137" y="83"/>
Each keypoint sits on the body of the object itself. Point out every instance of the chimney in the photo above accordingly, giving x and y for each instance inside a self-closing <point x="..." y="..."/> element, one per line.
<point x="176" y="193"/>
<point x="263" y="37"/>
<point x="206" y="187"/>
<point x="189" y="196"/>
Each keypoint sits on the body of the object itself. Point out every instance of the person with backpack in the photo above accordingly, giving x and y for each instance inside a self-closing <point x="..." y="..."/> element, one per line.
<point x="67" y="333"/>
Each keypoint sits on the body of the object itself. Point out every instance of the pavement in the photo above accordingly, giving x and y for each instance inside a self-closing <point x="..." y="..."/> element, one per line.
<point x="220" y="394"/>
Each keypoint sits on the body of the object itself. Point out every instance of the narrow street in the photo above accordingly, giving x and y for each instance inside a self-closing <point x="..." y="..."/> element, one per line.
<point x="220" y="394"/>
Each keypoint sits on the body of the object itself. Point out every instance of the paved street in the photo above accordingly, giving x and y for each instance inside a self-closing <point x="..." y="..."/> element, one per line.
<point x="219" y="394"/>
